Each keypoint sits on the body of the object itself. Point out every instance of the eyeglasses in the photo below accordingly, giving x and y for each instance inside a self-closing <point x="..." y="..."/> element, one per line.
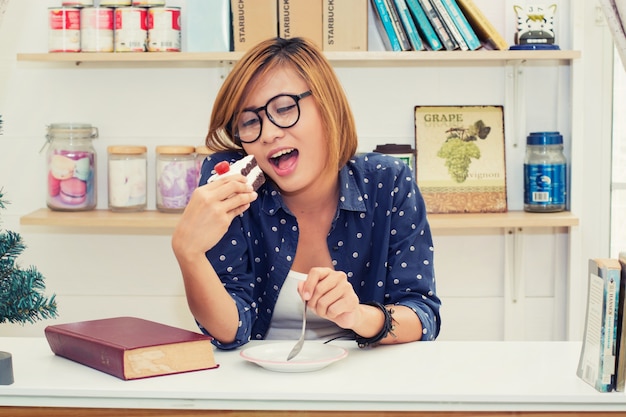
<point x="282" y="110"/>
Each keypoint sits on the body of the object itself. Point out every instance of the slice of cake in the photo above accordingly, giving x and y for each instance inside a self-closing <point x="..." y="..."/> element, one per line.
<point x="247" y="166"/>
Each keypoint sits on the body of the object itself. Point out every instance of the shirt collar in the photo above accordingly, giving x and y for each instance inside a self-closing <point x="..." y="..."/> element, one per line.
<point x="350" y="196"/>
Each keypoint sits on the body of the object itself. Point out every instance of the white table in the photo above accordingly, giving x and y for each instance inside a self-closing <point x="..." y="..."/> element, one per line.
<point x="464" y="377"/>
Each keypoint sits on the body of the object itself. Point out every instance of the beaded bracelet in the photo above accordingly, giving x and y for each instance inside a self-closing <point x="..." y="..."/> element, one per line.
<point x="388" y="327"/>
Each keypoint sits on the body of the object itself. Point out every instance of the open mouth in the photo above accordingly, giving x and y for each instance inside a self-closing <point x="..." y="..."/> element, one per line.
<point x="284" y="159"/>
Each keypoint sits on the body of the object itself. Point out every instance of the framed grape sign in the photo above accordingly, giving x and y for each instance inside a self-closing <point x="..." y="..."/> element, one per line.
<point x="460" y="166"/>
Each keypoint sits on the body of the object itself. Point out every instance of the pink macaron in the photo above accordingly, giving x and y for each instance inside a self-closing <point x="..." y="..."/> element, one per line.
<point x="73" y="191"/>
<point x="54" y="185"/>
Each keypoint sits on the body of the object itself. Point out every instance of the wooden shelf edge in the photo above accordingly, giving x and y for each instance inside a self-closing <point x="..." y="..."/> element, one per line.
<point x="511" y="219"/>
<point x="352" y="56"/>
<point x="144" y="220"/>
<point x="150" y="220"/>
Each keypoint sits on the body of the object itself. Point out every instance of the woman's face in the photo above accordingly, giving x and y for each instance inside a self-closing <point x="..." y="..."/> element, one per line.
<point x="295" y="158"/>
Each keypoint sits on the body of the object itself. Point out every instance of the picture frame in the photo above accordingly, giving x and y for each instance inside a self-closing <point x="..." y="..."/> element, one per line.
<point x="460" y="164"/>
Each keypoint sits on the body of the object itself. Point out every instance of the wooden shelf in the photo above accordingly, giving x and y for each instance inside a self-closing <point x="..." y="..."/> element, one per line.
<point x="155" y="220"/>
<point x="337" y="57"/>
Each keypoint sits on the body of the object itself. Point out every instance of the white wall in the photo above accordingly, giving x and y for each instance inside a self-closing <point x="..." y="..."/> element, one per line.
<point x="96" y="274"/>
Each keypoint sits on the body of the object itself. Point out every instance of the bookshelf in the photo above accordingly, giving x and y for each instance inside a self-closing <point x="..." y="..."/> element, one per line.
<point x="510" y="230"/>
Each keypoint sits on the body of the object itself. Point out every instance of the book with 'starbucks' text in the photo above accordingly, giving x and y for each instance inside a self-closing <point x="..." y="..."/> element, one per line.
<point x="460" y="158"/>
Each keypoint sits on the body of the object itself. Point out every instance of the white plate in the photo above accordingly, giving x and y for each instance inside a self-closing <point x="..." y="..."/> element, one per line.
<point x="314" y="356"/>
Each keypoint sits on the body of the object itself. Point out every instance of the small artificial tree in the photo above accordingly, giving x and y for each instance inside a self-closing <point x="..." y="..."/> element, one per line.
<point x="21" y="297"/>
<point x="21" y="292"/>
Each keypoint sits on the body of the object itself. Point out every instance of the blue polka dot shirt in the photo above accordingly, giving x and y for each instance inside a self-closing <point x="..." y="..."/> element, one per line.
<point x="380" y="238"/>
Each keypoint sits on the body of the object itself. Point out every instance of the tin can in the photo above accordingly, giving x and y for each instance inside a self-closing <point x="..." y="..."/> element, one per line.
<point x="164" y="29"/>
<point x="131" y="32"/>
<point x="77" y="3"/>
<point x="175" y="177"/>
<point x="148" y="3"/>
<point x="115" y="3"/>
<point x="71" y="162"/>
<point x="96" y="29"/>
<point x="64" y="29"/>
<point x="128" y="178"/>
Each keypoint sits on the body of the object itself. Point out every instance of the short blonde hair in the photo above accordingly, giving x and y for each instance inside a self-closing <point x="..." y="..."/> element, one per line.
<point x="309" y="62"/>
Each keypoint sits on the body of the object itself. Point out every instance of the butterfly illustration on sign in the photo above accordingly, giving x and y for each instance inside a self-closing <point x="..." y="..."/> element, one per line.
<point x="460" y="148"/>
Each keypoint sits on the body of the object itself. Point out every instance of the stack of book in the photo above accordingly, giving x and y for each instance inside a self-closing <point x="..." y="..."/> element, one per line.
<point x="415" y="25"/>
<point x="602" y="362"/>
<point x="403" y="25"/>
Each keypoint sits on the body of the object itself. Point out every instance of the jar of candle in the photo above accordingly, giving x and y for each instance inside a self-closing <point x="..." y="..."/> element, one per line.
<point x="71" y="163"/>
<point x="545" y="173"/>
<point x="128" y="178"/>
<point x="176" y="177"/>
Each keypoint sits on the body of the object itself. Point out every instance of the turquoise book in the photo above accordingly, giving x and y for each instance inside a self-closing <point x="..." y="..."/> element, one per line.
<point x="409" y="25"/>
<point x="462" y="24"/>
<point x="597" y="361"/>
<point x="438" y="25"/>
<point x="385" y="26"/>
<point x="423" y="25"/>
<point x="620" y="367"/>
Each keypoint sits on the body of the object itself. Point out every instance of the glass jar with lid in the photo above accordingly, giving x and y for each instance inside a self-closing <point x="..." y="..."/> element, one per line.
<point x="128" y="178"/>
<point x="545" y="173"/>
<point x="71" y="167"/>
<point x="176" y="177"/>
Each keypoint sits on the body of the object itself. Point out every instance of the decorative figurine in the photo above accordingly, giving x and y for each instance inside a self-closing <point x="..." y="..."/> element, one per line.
<point x="535" y="27"/>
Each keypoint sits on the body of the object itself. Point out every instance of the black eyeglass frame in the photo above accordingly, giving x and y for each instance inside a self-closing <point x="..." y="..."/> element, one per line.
<point x="296" y="98"/>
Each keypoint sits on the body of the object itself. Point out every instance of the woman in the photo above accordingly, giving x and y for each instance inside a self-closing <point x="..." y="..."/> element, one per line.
<point x="346" y="233"/>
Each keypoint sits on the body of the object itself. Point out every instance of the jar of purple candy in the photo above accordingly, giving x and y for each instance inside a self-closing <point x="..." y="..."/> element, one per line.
<point x="176" y="177"/>
<point x="71" y="167"/>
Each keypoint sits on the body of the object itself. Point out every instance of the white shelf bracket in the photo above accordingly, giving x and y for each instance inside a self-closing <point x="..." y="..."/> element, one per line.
<point x="514" y="285"/>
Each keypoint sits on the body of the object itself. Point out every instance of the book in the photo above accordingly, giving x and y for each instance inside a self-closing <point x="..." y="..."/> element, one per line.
<point x="486" y="32"/>
<point x="462" y="24"/>
<point x="596" y="365"/>
<point x="253" y="21"/>
<point x="131" y="348"/>
<point x="448" y="22"/>
<point x="345" y="25"/>
<point x="409" y="25"/>
<point x="461" y="158"/>
<point x="207" y="26"/>
<point x="384" y="25"/>
<point x="620" y="366"/>
<point x="301" y="18"/>
<point x="435" y="20"/>
<point x="423" y="25"/>
<point x="405" y="44"/>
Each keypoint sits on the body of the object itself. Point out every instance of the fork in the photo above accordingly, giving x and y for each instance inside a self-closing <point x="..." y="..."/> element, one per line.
<point x="298" y="346"/>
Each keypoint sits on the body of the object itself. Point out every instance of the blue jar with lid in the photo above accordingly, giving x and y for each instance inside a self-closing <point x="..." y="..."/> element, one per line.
<point x="545" y="173"/>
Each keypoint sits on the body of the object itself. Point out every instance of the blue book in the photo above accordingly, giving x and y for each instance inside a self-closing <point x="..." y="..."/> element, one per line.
<point x="423" y="25"/>
<point x="409" y="25"/>
<point x="385" y="26"/>
<point x="462" y="24"/>
<point x="446" y="38"/>
<point x="596" y="365"/>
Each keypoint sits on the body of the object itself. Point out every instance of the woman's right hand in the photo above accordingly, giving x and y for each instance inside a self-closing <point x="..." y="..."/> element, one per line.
<point x="209" y="213"/>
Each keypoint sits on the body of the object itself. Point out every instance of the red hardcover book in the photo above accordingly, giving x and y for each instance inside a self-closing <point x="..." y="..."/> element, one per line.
<point x="131" y="348"/>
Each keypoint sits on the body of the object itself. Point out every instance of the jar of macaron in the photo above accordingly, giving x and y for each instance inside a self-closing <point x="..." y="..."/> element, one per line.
<point x="71" y="167"/>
